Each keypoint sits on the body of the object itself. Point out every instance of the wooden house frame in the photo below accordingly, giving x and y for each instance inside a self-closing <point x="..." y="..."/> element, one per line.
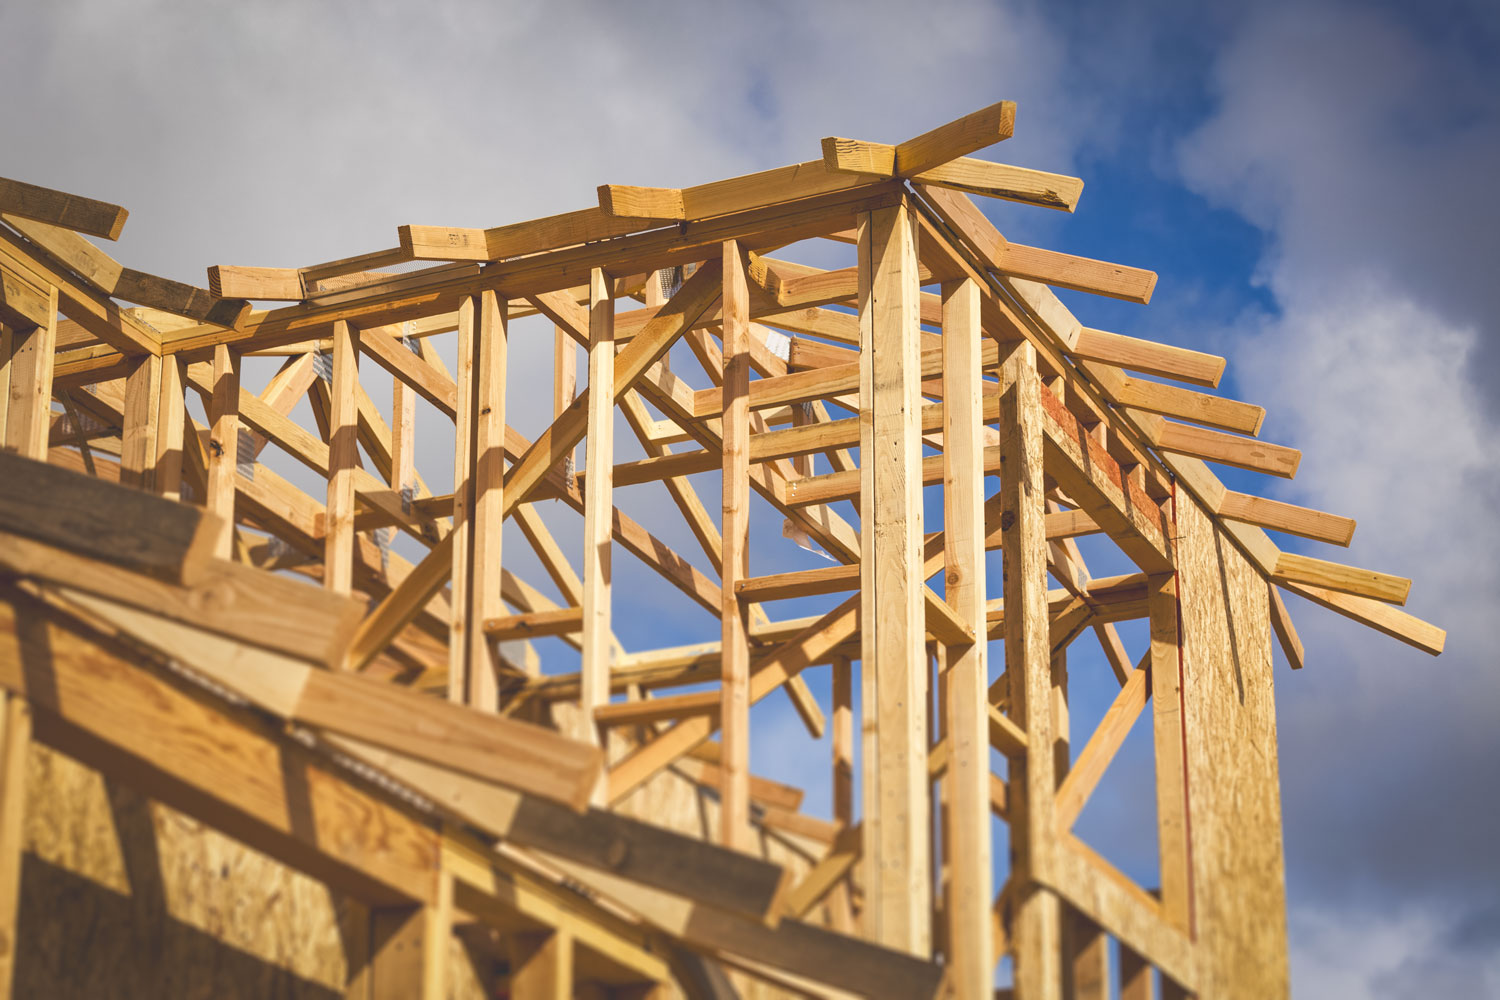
<point x="390" y="733"/>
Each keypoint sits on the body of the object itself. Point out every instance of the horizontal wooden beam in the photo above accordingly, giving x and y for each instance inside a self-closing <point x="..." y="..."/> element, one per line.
<point x="1294" y="568"/>
<point x="57" y="208"/>
<point x="800" y="583"/>
<point x="1293" y="520"/>
<point x="535" y="624"/>
<point x="22" y="304"/>
<point x="126" y="527"/>
<point x="1148" y="356"/>
<point x="282" y="284"/>
<point x="1377" y="615"/>
<point x="1228" y="449"/>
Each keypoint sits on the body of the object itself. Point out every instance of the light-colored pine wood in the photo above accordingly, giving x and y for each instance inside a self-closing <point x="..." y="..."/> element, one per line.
<point x="171" y="414"/>
<point x="597" y="507"/>
<point x="487" y="412"/>
<point x="968" y="941"/>
<point x="223" y="444"/>
<point x="343" y="459"/>
<point x="894" y="628"/>
<point x="29" y="402"/>
<point x="15" y="742"/>
<point x="734" y="712"/>
<point x="1167" y="730"/>
<point x="1032" y="784"/>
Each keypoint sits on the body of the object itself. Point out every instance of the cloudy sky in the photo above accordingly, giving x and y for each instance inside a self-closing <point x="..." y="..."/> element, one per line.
<point x="1312" y="181"/>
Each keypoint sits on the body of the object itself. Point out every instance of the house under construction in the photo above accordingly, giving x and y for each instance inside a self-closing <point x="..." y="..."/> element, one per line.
<point x="266" y="741"/>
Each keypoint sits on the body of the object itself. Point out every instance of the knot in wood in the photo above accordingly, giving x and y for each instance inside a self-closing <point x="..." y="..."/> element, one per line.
<point x="616" y="854"/>
<point x="1007" y="519"/>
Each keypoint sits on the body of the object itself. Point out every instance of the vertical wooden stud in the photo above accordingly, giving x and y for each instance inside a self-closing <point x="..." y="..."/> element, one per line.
<point x="970" y="944"/>
<point x="734" y="709"/>
<point x="893" y="625"/>
<point x="1028" y="663"/>
<point x="459" y="646"/>
<point x="15" y="739"/>
<point x="343" y="460"/>
<point x="138" y="436"/>
<point x="488" y="515"/>
<point x="1171" y="771"/>
<point x="1137" y="980"/>
<point x="29" y="418"/>
<point x="171" y="421"/>
<point x="1086" y="958"/>
<point x="223" y="444"/>
<point x="541" y="965"/>
<point x="598" y="506"/>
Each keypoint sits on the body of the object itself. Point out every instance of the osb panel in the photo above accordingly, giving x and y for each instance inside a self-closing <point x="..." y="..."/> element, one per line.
<point x="1234" y="787"/>
<point x="126" y="898"/>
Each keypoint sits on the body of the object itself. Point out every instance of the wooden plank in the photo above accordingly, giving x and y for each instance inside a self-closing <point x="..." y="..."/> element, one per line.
<point x="1377" y="615"/>
<point x="598" y="507"/>
<point x="734" y="712"/>
<point x="440" y="243"/>
<point x="1280" y="516"/>
<point x="1149" y="357"/>
<point x="71" y="211"/>
<point x="1294" y="568"/>
<point x="957" y="138"/>
<point x="1286" y="632"/>
<point x="259" y="283"/>
<point x="1167" y="727"/>
<point x="641" y="202"/>
<point x="1081" y="274"/>
<point x="1086" y="965"/>
<point x="1185" y="404"/>
<point x="29" y="402"/>
<point x="799" y="583"/>
<point x="541" y="965"/>
<point x="272" y="611"/>
<point x="1032" y="785"/>
<point x="223" y="445"/>
<point x="343" y="459"/>
<point x="15" y="743"/>
<point x="138" y="435"/>
<point x="999" y="180"/>
<point x="102" y="521"/>
<point x="534" y="624"/>
<point x="488" y="514"/>
<point x="893" y="637"/>
<point x="460" y="572"/>
<point x="969" y="946"/>
<point x="22" y="304"/>
<point x="1228" y="449"/>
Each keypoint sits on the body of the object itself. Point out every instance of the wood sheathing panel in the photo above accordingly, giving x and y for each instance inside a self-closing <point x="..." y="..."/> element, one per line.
<point x="1233" y="784"/>
<point x="122" y="897"/>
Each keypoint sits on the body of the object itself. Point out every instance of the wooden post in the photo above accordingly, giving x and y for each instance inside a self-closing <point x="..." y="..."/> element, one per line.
<point x="488" y="414"/>
<point x="1028" y="663"/>
<point x="15" y="738"/>
<point x="1086" y="969"/>
<point x="1136" y="979"/>
<point x="1171" y="767"/>
<point x="29" y="413"/>
<point x="171" y="420"/>
<point x="343" y="461"/>
<point x="404" y="953"/>
<point x="598" y="506"/>
<point x="6" y="341"/>
<point x="403" y="435"/>
<point x="463" y="500"/>
<point x="970" y="944"/>
<point x="223" y="444"/>
<point x="734" y="709"/>
<point x="893" y="624"/>
<point x="138" y="447"/>
<point x="541" y="965"/>
<point x="843" y="742"/>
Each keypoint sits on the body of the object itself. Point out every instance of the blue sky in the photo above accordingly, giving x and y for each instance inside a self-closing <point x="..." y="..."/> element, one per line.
<point x="1313" y="182"/>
